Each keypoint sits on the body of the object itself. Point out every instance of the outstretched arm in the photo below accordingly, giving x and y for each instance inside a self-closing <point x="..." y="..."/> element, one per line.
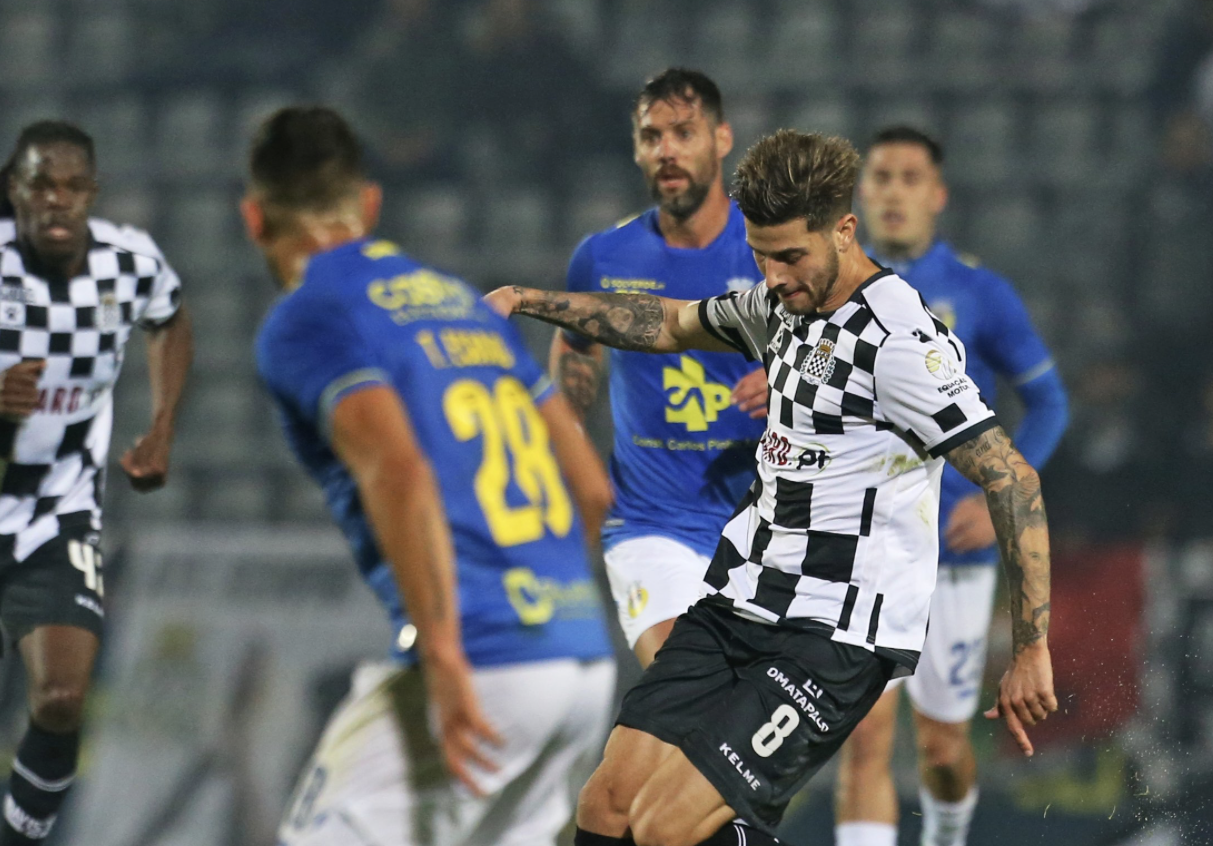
<point x="639" y="322"/>
<point x="1017" y="508"/>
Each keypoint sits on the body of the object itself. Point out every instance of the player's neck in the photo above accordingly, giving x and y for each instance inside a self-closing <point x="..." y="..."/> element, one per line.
<point x="702" y="227"/>
<point x="61" y="267"/>
<point x="854" y="268"/>
<point x="294" y="252"/>
<point x="896" y="251"/>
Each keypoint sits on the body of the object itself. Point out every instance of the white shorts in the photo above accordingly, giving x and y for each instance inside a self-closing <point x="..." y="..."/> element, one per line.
<point x="652" y="579"/>
<point x="378" y="779"/>
<point x="947" y="682"/>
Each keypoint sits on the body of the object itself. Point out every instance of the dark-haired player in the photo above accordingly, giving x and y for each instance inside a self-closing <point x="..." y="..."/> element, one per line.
<point x="902" y="194"/>
<point x="684" y="438"/>
<point x="819" y="587"/>
<point x="440" y="446"/>
<point x="70" y="293"/>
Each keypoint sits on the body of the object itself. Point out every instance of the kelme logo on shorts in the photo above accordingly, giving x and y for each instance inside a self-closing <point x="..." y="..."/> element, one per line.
<point x="694" y="401"/>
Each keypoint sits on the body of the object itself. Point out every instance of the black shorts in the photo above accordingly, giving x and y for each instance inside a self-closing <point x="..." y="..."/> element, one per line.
<point x="756" y="708"/>
<point x="59" y="584"/>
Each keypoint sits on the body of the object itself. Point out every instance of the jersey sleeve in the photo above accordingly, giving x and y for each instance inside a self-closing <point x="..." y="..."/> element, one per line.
<point x="311" y="356"/>
<point x="165" y="296"/>
<point x="739" y="319"/>
<point x="1008" y="339"/>
<point x="923" y="389"/>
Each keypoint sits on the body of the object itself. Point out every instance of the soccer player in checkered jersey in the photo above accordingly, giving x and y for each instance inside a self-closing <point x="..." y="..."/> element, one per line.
<point x="685" y="425"/>
<point x="71" y="290"/>
<point x="819" y="589"/>
<point x="902" y="194"/>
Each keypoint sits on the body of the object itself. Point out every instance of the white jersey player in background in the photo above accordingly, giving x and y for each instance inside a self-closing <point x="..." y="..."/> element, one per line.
<point x="71" y="290"/>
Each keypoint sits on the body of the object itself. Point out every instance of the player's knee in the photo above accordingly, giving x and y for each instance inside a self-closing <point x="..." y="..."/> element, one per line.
<point x="870" y="744"/>
<point x="57" y="707"/>
<point x="943" y="746"/>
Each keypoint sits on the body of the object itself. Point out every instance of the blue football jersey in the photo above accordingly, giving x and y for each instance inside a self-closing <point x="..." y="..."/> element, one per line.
<point x="988" y="316"/>
<point x="683" y="456"/>
<point x="368" y="315"/>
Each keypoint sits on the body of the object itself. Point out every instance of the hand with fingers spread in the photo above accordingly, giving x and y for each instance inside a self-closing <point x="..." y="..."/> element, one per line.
<point x="464" y="733"/>
<point x="1025" y="694"/>
<point x="750" y="394"/>
<point x="19" y="388"/>
<point x="970" y="526"/>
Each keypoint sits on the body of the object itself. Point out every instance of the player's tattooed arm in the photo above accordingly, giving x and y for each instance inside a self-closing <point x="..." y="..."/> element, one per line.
<point x="577" y="372"/>
<point x="1017" y="508"/>
<point x="639" y="322"/>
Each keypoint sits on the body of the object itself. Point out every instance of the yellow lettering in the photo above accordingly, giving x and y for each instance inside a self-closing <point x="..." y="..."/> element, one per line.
<point x="695" y="412"/>
<point x="530" y="597"/>
<point x="473" y="348"/>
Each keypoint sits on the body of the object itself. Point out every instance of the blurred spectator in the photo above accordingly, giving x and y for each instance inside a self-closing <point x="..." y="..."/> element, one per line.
<point x="1190" y="469"/>
<point x="1100" y="487"/>
<point x="404" y="85"/>
<point x="1181" y="92"/>
<point x="544" y="104"/>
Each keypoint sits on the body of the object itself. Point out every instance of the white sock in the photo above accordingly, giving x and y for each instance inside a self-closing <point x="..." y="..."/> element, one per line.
<point x="946" y="823"/>
<point x="865" y="834"/>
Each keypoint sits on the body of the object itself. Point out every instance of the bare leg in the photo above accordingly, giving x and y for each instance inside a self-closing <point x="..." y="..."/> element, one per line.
<point x="865" y="800"/>
<point x="650" y="641"/>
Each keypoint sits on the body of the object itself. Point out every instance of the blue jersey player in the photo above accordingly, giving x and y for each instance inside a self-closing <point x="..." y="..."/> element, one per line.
<point x="455" y="473"/>
<point x="902" y="193"/>
<point x="685" y="427"/>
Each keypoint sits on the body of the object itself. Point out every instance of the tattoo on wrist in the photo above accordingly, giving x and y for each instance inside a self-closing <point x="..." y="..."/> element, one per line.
<point x="1017" y="510"/>
<point x="623" y="321"/>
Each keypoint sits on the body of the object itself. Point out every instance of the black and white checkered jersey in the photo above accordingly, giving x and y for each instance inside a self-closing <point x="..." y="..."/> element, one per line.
<point x="839" y="531"/>
<point x="53" y="463"/>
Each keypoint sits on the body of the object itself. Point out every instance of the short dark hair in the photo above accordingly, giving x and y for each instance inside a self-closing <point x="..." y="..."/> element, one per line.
<point x="681" y="85"/>
<point x="904" y="134"/>
<point x="792" y="175"/>
<point x="43" y="132"/>
<point x="305" y="158"/>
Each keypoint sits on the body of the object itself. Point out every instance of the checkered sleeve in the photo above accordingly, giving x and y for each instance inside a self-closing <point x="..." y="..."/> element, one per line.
<point x="165" y="298"/>
<point x="157" y="284"/>
<point x="923" y="389"/>
<point x="739" y="319"/>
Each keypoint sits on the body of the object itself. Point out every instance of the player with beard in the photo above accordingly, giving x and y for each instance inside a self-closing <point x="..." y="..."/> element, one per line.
<point x="72" y="290"/>
<point x="685" y="427"/>
<point x="902" y="194"/>
<point x="819" y="589"/>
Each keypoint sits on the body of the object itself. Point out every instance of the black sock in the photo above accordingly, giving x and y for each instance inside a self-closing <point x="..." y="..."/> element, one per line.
<point x="739" y="834"/>
<point x="589" y="838"/>
<point x="43" y="770"/>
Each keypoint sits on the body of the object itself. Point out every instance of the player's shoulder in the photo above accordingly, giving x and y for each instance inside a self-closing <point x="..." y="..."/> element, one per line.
<point x="621" y="236"/>
<point x="124" y="237"/>
<point x="968" y="268"/>
<point x="895" y="303"/>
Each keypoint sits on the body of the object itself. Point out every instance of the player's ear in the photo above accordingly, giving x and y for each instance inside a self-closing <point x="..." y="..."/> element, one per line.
<point x="844" y="232"/>
<point x="941" y="197"/>
<point x="254" y="219"/>
<point x="372" y="204"/>
<point x="724" y="139"/>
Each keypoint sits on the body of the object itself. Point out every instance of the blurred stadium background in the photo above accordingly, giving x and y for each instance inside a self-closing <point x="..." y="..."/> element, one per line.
<point x="1081" y="165"/>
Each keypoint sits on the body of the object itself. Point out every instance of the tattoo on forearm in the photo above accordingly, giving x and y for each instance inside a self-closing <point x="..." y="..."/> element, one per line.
<point x="1017" y="509"/>
<point x="623" y="321"/>
<point x="579" y="375"/>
